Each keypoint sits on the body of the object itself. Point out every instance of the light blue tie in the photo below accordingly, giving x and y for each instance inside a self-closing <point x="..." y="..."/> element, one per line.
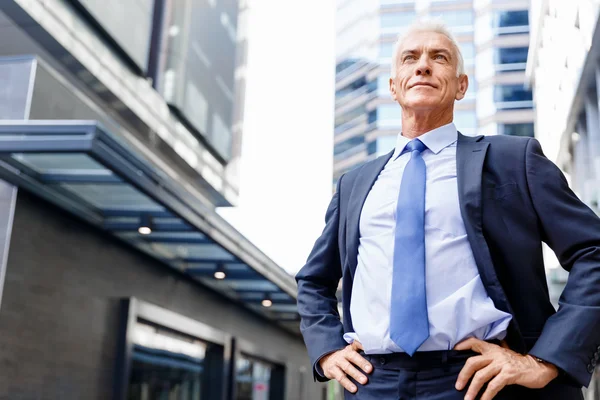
<point x="409" y="324"/>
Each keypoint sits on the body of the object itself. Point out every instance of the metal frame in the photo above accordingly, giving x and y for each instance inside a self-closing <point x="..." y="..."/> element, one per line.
<point x="133" y="309"/>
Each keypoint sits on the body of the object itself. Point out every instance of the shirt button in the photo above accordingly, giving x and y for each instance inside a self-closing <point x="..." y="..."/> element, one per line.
<point x="382" y="360"/>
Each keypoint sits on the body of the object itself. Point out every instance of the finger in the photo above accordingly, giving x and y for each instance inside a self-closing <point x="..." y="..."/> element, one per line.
<point x="356" y="345"/>
<point x="480" y="378"/>
<point x="349" y="369"/>
<point x="472" y="365"/>
<point x="343" y="380"/>
<point x="472" y="344"/>
<point x="359" y="361"/>
<point x="494" y="387"/>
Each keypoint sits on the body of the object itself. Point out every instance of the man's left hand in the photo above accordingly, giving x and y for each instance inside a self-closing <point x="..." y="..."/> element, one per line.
<point x="500" y="366"/>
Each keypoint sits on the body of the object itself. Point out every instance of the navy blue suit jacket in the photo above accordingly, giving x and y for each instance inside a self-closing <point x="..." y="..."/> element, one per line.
<point x="512" y="198"/>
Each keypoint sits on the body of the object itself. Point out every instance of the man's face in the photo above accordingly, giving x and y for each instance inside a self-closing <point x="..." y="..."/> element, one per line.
<point x="426" y="73"/>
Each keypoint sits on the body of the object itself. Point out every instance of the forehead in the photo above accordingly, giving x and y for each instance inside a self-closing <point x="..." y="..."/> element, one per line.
<point x="424" y="40"/>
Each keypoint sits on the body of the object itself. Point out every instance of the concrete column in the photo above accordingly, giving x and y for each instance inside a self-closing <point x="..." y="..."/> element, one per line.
<point x="17" y="76"/>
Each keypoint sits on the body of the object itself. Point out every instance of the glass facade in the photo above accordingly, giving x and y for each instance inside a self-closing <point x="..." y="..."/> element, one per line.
<point x="513" y="93"/>
<point x="171" y="366"/>
<point x="127" y="22"/>
<point x="511" y="22"/>
<point x="253" y="379"/>
<point x="524" y="129"/>
<point x="197" y="79"/>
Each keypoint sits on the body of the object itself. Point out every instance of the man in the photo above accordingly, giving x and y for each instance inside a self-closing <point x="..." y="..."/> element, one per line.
<point x="439" y="248"/>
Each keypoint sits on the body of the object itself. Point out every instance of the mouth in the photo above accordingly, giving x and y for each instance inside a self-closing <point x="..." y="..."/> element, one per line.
<point x="423" y="84"/>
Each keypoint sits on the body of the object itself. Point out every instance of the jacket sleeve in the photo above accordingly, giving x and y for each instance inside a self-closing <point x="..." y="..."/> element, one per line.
<point x="317" y="283"/>
<point x="570" y="338"/>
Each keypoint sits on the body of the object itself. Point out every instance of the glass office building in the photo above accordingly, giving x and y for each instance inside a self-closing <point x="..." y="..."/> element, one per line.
<point x="564" y="73"/>
<point x="120" y="132"/>
<point x="494" y="39"/>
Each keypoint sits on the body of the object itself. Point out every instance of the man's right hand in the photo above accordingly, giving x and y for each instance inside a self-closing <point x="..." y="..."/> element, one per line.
<point x="346" y="362"/>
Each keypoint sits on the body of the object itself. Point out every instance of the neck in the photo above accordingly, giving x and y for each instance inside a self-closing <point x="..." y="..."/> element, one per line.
<point x="417" y="123"/>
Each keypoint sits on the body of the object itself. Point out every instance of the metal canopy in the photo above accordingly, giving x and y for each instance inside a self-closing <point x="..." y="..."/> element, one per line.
<point x="82" y="168"/>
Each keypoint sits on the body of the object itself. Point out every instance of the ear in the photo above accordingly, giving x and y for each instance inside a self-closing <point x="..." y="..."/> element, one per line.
<point x="463" y="85"/>
<point x="393" y="91"/>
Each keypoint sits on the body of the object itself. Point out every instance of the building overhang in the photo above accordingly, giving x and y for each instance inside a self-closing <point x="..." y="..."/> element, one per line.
<point x="91" y="173"/>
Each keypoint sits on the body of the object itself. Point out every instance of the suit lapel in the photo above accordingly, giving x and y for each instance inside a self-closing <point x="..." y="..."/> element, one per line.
<point x="470" y="158"/>
<point x="362" y="186"/>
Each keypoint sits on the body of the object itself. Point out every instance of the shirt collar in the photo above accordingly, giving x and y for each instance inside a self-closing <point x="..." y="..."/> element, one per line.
<point x="436" y="140"/>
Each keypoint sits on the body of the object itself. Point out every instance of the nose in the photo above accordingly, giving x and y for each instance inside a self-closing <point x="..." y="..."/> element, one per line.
<point x="423" y="67"/>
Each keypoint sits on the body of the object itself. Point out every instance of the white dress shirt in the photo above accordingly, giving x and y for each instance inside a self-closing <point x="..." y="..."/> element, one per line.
<point x="457" y="303"/>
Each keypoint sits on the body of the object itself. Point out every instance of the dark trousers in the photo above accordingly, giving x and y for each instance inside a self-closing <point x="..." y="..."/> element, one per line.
<point x="432" y="375"/>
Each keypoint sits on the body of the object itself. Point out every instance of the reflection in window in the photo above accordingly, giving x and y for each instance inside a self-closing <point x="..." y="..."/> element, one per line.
<point x="511" y="22"/>
<point x="504" y="93"/>
<point x="253" y="379"/>
<point x="171" y="366"/>
<point x="397" y="19"/>
<point x="524" y="129"/>
<point x="197" y="73"/>
<point x="512" y="55"/>
<point x="512" y="18"/>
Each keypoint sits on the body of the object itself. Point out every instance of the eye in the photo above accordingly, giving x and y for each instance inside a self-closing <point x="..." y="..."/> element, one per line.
<point x="409" y="58"/>
<point x="439" y="57"/>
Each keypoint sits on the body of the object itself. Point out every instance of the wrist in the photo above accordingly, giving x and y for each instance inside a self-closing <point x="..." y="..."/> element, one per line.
<point x="549" y="369"/>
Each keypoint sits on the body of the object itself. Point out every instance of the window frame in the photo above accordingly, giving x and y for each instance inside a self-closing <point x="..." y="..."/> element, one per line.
<point x="132" y="310"/>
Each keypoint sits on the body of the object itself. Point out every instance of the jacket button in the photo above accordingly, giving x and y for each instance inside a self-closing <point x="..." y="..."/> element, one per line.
<point x="382" y="360"/>
<point x="594" y="361"/>
<point x="590" y="369"/>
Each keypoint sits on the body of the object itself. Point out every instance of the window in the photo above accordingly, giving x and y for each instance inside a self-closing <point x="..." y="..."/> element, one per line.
<point x="197" y="76"/>
<point x="348" y="144"/>
<point x="253" y="379"/>
<point x="350" y="115"/>
<point x="505" y="93"/>
<point x="128" y="22"/>
<point x="168" y="365"/>
<point x="511" y="22"/>
<point x="357" y="84"/>
<point x="397" y="20"/>
<point x="512" y="18"/>
<point x="164" y="355"/>
<point x="524" y="129"/>
<point x="512" y="55"/>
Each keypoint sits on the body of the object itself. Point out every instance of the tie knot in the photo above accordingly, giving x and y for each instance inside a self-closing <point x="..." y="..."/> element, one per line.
<point x="415" y="145"/>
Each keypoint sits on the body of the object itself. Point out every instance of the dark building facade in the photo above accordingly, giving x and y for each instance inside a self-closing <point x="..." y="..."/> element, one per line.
<point x="120" y="134"/>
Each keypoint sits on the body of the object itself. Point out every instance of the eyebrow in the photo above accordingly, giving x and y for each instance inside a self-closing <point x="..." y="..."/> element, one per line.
<point x="431" y="51"/>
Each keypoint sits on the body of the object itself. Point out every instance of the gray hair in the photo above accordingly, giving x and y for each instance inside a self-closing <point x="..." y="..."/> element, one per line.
<point x="428" y="25"/>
